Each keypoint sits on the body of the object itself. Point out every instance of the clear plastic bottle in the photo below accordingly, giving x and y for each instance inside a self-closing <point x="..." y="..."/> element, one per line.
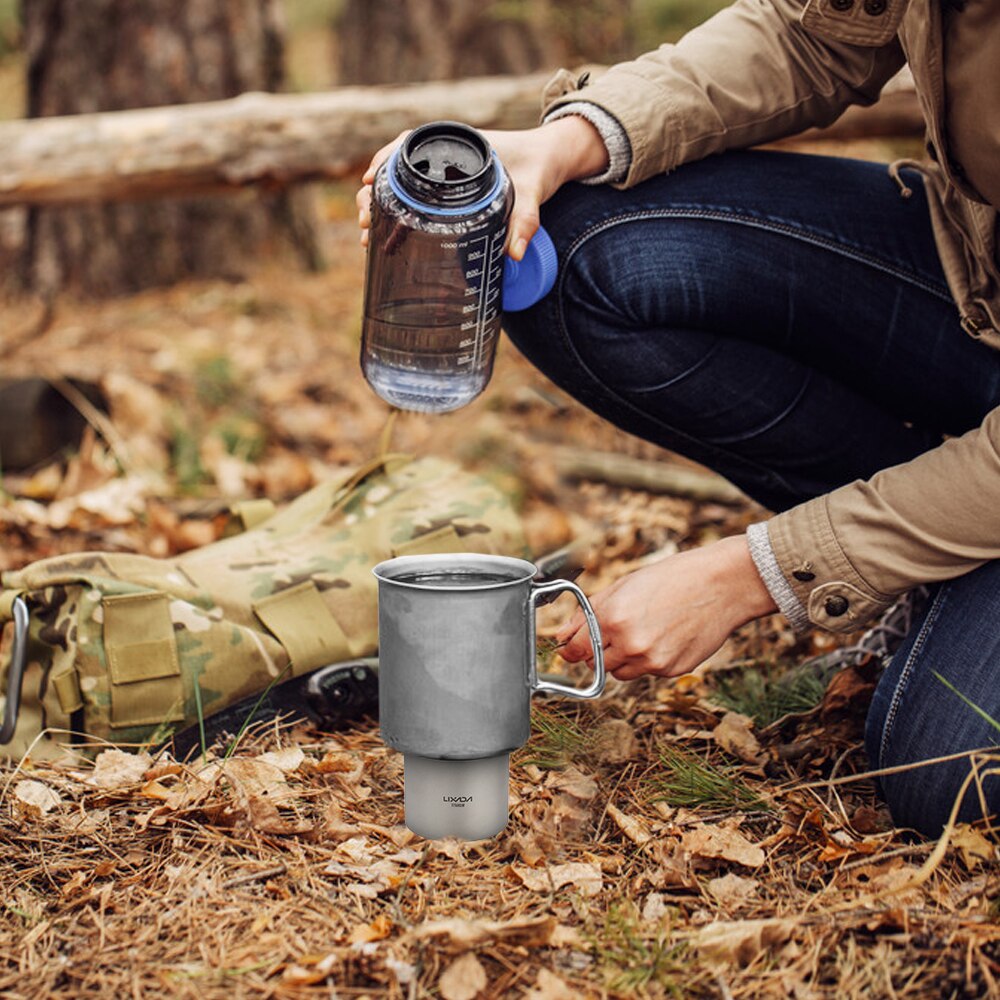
<point x="435" y="285"/>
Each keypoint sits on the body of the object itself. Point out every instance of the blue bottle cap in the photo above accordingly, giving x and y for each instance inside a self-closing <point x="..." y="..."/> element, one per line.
<point x="530" y="279"/>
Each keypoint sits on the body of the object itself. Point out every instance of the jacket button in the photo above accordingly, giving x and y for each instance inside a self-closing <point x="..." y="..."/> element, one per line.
<point x="803" y="575"/>
<point x="835" y="606"/>
<point x="874" y="7"/>
<point x="841" y="5"/>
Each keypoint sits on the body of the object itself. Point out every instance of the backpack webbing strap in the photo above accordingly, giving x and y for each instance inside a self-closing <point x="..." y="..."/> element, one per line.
<point x="301" y="621"/>
<point x="251" y="513"/>
<point x="144" y="669"/>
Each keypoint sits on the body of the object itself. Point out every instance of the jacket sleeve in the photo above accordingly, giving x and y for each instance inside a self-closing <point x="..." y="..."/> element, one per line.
<point x="753" y="73"/>
<point x="848" y="554"/>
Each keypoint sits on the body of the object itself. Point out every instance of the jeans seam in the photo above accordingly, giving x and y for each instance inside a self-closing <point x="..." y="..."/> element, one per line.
<point x="775" y="478"/>
<point x="773" y="422"/>
<point x="907" y="672"/>
<point x="784" y="228"/>
<point x="687" y="373"/>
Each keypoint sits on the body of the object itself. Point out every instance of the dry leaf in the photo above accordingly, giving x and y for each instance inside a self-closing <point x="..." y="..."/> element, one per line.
<point x="259" y="787"/>
<point x="655" y="908"/>
<point x="117" y="769"/>
<point x="733" y="888"/>
<point x="254" y="776"/>
<point x="633" y="828"/>
<point x="847" y="694"/>
<point x="574" y="782"/>
<point x="972" y="845"/>
<point x="734" y="736"/>
<point x="287" y="760"/>
<point x="311" y="969"/>
<point x="615" y="742"/>
<point x="583" y="876"/>
<point x="739" y="942"/>
<point x="463" y="979"/>
<point x="35" y="799"/>
<point x="379" y="929"/>
<point x="673" y="869"/>
<point x="548" y="986"/>
<point x="530" y="849"/>
<point x="261" y="813"/>
<point x="527" y="932"/>
<point x="721" y="842"/>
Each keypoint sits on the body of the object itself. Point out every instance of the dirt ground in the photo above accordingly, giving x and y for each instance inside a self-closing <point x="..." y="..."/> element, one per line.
<point x="713" y="836"/>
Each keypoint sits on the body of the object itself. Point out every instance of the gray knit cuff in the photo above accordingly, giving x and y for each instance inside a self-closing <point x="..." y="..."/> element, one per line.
<point x="612" y="135"/>
<point x="770" y="572"/>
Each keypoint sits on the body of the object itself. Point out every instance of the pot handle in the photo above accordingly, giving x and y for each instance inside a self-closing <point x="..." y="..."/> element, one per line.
<point x="549" y="590"/>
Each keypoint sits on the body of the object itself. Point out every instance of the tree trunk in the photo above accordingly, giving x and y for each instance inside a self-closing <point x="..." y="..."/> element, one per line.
<point x="385" y="41"/>
<point x="103" y="55"/>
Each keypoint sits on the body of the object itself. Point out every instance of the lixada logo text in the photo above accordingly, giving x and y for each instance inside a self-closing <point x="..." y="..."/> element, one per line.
<point x="456" y="801"/>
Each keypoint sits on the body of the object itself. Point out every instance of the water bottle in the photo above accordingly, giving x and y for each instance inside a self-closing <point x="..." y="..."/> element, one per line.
<point x="437" y="276"/>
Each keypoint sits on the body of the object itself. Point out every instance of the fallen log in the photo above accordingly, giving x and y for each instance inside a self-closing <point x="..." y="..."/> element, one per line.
<point x="642" y="474"/>
<point x="256" y="138"/>
<point x="279" y="139"/>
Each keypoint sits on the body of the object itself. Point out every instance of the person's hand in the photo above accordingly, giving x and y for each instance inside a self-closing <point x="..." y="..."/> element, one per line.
<point x="539" y="161"/>
<point x="669" y="617"/>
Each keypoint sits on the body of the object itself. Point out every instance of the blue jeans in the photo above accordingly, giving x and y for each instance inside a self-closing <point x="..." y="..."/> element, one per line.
<point x="784" y="320"/>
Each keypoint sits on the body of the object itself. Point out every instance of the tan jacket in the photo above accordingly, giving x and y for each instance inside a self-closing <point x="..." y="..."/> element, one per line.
<point x="764" y="69"/>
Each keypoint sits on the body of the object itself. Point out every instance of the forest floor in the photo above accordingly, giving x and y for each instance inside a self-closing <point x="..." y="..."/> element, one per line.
<point x="712" y="836"/>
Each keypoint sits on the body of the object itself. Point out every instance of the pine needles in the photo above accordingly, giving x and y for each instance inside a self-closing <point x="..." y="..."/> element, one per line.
<point x="556" y="741"/>
<point x="767" y="695"/>
<point x="691" y="781"/>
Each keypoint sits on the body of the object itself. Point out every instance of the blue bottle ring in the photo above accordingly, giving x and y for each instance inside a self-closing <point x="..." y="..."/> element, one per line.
<point x="411" y="202"/>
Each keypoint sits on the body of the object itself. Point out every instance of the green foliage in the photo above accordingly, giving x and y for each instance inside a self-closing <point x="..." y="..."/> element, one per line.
<point x="658" y="21"/>
<point x="971" y="704"/>
<point x="222" y="405"/>
<point x="242" y="436"/>
<point x="311" y="15"/>
<point x="556" y="741"/>
<point x="692" y="781"/>
<point x="10" y="27"/>
<point x="635" y="954"/>
<point x="185" y="456"/>
<point x="766" y="693"/>
<point x="215" y="381"/>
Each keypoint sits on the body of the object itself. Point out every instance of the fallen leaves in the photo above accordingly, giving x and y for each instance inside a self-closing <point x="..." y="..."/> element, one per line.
<point x="115" y="769"/>
<point x="740" y="942"/>
<point x="724" y="843"/>
<point x="463" y="979"/>
<point x="732" y="889"/>
<point x="525" y="932"/>
<point x="548" y="986"/>
<point x="635" y="829"/>
<point x="585" y="877"/>
<point x="734" y="734"/>
<point x="33" y="798"/>
<point x="379" y="929"/>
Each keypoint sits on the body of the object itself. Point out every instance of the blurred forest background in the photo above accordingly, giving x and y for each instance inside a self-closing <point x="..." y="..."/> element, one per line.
<point x="58" y="59"/>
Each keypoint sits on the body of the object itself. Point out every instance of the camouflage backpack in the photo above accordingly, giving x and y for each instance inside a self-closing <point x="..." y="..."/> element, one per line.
<point x="122" y="647"/>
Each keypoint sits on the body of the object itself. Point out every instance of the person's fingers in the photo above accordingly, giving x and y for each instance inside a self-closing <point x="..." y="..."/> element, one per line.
<point x="523" y="219"/>
<point x="572" y="638"/>
<point x="382" y="155"/>
<point x="363" y="199"/>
